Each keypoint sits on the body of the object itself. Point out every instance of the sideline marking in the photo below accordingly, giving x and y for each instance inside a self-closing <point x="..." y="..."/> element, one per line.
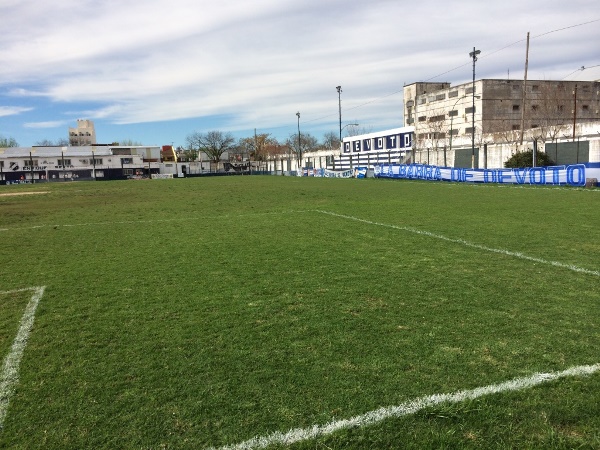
<point x="10" y="369"/>
<point x="572" y="267"/>
<point x="405" y="409"/>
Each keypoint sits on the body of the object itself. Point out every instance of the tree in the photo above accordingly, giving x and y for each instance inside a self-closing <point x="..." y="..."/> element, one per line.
<point x="212" y="143"/>
<point x="129" y="143"/>
<point x="307" y="143"/>
<point x="7" y="142"/>
<point x="49" y="143"/>
<point x="525" y="159"/>
<point x="257" y="147"/>
<point x="331" y="140"/>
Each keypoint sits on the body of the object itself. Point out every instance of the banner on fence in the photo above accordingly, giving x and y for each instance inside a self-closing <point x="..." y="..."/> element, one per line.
<point x="573" y="175"/>
<point x="360" y="172"/>
<point x="327" y="173"/>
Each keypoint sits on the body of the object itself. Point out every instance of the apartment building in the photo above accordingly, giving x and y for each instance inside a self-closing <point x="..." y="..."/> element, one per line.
<point x="83" y="134"/>
<point x="500" y="108"/>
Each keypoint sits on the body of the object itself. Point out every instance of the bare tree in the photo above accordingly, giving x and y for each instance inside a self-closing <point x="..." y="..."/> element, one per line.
<point x="331" y="140"/>
<point x="49" y="143"/>
<point x="212" y="143"/>
<point x="549" y="116"/>
<point x="305" y="143"/>
<point x="257" y="146"/>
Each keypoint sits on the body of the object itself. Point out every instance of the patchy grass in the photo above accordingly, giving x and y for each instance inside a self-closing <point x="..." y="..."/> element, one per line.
<point x="193" y="313"/>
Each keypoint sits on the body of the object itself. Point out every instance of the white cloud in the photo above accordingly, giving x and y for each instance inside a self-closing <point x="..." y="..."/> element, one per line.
<point x="257" y="63"/>
<point x="12" y="110"/>
<point x="48" y="124"/>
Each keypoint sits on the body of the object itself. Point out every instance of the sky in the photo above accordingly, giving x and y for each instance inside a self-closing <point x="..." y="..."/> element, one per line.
<point x="156" y="71"/>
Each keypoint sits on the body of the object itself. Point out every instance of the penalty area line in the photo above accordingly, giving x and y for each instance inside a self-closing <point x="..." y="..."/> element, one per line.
<point x="405" y="409"/>
<point x="520" y="255"/>
<point x="9" y="376"/>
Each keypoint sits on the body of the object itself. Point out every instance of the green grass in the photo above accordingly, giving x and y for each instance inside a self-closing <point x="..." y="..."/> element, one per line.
<point x="193" y="313"/>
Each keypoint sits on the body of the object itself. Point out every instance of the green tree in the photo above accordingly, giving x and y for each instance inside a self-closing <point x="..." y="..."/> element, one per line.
<point x="525" y="159"/>
<point x="8" y="142"/>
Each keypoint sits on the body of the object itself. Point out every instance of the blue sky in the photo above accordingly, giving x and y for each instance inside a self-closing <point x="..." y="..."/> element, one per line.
<point x="156" y="71"/>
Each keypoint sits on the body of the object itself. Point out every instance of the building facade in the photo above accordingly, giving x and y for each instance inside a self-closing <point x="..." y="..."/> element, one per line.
<point x="83" y="134"/>
<point x="40" y="164"/>
<point x="502" y="108"/>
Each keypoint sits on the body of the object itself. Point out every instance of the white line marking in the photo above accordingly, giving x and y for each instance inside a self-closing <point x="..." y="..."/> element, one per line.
<point x="405" y="409"/>
<point x="10" y="370"/>
<point x="520" y="255"/>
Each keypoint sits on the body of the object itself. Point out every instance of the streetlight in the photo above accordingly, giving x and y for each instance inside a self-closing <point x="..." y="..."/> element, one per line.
<point x="350" y="125"/>
<point x="347" y="125"/>
<point x="339" y="90"/>
<point x="473" y="55"/>
<point x="299" y="149"/>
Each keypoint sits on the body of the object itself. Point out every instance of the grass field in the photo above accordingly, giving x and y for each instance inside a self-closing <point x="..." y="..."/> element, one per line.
<point x="225" y="312"/>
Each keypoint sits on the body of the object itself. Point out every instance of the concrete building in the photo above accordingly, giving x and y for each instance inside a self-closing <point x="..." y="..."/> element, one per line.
<point x="100" y="162"/>
<point x="84" y="134"/>
<point x="503" y="108"/>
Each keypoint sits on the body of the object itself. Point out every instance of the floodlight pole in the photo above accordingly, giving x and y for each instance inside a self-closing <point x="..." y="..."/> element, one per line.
<point x="299" y="148"/>
<point x="339" y="90"/>
<point x="473" y="55"/>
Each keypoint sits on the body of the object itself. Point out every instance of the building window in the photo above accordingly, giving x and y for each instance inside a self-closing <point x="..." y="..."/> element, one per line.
<point x="586" y="107"/>
<point x="453" y="113"/>
<point x="452" y="94"/>
<point x="127" y="171"/>
<point x="96" y="161"/>
<point x="440" y="97"/>
<point x="422" y="101"/>
<point x="437" y="118"/>
<point x="516" y="87"/>
<point x="534" y="107"/>
<point x="516" y="127"/>
<point x="454" y="131"/>
<point x="469" y="110"/>
<point x="535" y="88"/>
<point x="410" y="103"/>
<point x="422" y="118"/>
<point x="410" y="120"/>
<point x="516" y="107"/>
<point x="30" y="162"/>
<point x="470" y="90"/>
<point x="534" y="126"/>
<point x="469" y="130"/>
<point x="64" y="162"/>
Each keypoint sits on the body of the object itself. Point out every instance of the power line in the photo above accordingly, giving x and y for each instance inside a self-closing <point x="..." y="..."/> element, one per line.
<point x="486" y="55"/>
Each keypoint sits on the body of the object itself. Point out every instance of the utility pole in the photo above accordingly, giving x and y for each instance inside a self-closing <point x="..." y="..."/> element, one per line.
<point x="524" y="91"/>
<point x="574" y="111"/>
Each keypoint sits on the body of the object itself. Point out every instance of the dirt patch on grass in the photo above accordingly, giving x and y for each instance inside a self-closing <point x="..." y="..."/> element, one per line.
<point x="23" y="193"/>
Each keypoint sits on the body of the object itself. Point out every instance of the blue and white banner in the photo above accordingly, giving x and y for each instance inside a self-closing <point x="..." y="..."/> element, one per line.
<point x="360" y="172"/>
<point x="326" y="173"/>
<point x="572" y="175"/>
